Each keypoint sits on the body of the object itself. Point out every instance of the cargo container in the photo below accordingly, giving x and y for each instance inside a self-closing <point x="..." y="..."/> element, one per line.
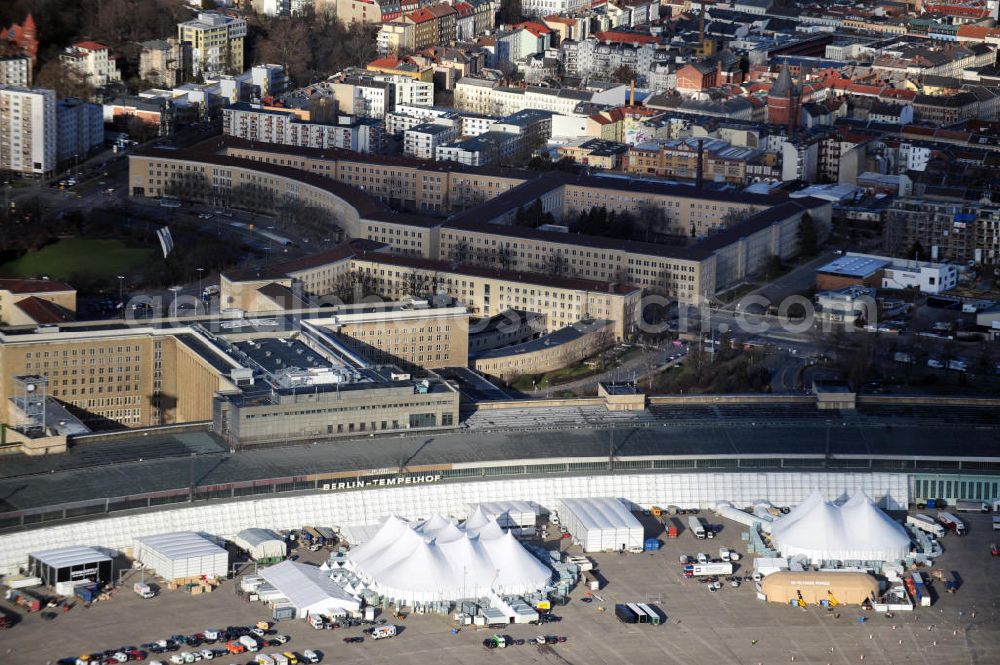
<point x="921" y="596"/>
<point x="695" y="525"/>
<point x="697" y="569"/>
<point x="24" y="599"/>
<point x="625" y="614"/>
<point x="927" y="524"/>
<point x="972" y="506"/>
<point x="952" y="523"/>
<point x="86" y="592"/>
<point x="653" y="617"/>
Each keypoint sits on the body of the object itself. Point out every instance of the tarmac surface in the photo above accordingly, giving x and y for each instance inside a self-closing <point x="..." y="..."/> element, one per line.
<point x="137" y="464"/>
<point x="723" y="628"/>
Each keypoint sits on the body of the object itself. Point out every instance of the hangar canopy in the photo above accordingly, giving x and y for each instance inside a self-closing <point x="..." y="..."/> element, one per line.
<point x="858" y="530"/>
<point x="261" y="544"/>
<point x="846" y="587"/>
<point x="309" y="589"/>
<point x="601" y="524"/>
<point x="182" y="555"/>
<point x="70" y="563"/>
<point x="437" y="560"/>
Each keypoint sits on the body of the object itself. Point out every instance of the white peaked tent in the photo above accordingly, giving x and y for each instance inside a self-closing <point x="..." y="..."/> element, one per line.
<point x="858" y="530"/>
<point x="438" y="560"/>
<point x="309" y="588"/>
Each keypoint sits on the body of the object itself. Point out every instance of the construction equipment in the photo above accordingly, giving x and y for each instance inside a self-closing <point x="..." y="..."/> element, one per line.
<point x="800" y="601"/>
<point x="832" y="600"/>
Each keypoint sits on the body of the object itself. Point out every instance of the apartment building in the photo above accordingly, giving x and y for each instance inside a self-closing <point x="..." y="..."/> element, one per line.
<point x="92" y="62"/>
<point x="721" y="256"/>
<point x="421" y="141"/>
<point x="28" y="130"/>
<point x="678" y="158"/>
<point x="395" y="37"/>
<point x="81" y="129"/>
<point x="216" y="42"/>
<point x="164" y="62"/>
<point x="254" y="122"/>
<point x="15" y="70"/>
<point x="956" y="231"/>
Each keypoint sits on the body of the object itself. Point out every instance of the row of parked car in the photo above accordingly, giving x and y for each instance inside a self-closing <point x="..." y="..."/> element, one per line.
<point x="232" y="640"/>
<point x="504" y="641"/>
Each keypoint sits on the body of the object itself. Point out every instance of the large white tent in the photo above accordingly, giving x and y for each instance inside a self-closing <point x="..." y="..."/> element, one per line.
<point x="181" y="555"/>
<point x="858" y="530"/>
<point x="438" y="560"/>
<point x="261" y="544"/>
<point x="309" y="589"/>
<point x="601" y="525"/>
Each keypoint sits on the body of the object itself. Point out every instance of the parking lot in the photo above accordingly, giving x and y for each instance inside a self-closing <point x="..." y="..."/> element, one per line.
<point x="730" y="626"/>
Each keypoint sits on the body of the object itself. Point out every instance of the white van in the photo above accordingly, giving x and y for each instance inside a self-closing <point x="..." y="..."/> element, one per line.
<point x="382" y="632"/>
<point x="724" y="553"/>
<point x="702" y="557"/>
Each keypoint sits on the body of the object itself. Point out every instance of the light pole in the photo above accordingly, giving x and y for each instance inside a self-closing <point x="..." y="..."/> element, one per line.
<point x="176" y="290"/>
<point x="121" y="296"/>
<point x="200" y="271"/>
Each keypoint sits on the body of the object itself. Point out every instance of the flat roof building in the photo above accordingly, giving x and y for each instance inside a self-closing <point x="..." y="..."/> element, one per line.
<point x="67" y="564"/>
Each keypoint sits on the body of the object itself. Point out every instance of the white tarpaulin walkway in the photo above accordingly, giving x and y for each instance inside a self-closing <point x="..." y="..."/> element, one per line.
<point x="309" y="588"/>
<point x="858" y="530"/>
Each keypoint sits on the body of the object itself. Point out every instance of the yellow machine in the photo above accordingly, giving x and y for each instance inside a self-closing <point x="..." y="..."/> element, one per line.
<point x="832" y="599"/>
<point x="800" y="602"/>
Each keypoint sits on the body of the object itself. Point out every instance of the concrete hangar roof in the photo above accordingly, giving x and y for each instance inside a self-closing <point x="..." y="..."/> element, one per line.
<point x="721" y="432"/>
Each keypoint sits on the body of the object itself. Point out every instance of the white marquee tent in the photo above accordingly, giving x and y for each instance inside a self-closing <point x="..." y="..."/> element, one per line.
<point x="510" y="513"/>
<point x="261" y="544"/>
<point x="309" y="589"/>
<point x="601" y="524"/>
<point x="182" y="555"/>
<point x="858" y="530"/>
<point x="437" y="560"/>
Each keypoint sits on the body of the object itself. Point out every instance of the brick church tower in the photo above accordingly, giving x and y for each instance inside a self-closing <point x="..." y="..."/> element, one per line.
<point x="783" y="101"/>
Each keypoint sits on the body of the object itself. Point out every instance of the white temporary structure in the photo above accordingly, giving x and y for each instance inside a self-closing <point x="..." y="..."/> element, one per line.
<point x="181" y="555"/>
<point x="309" y="589"/>
<point x="438" y="560"/>
<point x="261" y="544"/>
<point x="509" y="514"/>
<point x="601" y="524"/>
<point x="858" y="530"/>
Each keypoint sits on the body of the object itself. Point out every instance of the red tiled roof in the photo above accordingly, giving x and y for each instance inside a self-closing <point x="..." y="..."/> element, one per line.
<point x="464" y="9"/>
<point x="44" y="311"/>
<point x="33" y="286"/>
<point x="537" y="29"/>
<point x="91" y="46"/>
<point x="421" y="15"/>
<point x="555" y="18"/>
<point x="388" y="62"/>
<point x="626" y="37"/>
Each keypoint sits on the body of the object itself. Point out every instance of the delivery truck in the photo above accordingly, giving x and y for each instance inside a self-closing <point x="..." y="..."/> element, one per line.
<point x="921" y="597"/>
<point x="696" y="527"/>
<point x="952" y="523"/>
<point x="143" y="590"/>
<point x="972" y="506"/>
<point x="699" y="569"/>
<point x="249" y="643"/>
<point x="926" y="524"/>
<point x="383" y="632"/>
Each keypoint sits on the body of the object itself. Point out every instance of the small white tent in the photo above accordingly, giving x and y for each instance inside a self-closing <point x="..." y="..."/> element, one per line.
<point x="309" y="589"/>
<point x="855" y="531"/>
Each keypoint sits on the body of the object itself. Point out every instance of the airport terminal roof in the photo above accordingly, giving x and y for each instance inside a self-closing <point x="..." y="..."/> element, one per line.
<point x="127" y="463"/>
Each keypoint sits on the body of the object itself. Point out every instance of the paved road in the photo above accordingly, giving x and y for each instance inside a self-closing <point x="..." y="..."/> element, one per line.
<point x="633" y="369"/>
<point x="797" y="280"/>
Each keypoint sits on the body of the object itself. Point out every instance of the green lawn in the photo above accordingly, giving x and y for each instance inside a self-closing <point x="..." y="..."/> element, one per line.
<point x="553" y="378"/>
<point x="60" y="260"/>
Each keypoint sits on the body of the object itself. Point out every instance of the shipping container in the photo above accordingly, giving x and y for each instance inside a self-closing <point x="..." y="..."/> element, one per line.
<point x="625" y="614"/>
